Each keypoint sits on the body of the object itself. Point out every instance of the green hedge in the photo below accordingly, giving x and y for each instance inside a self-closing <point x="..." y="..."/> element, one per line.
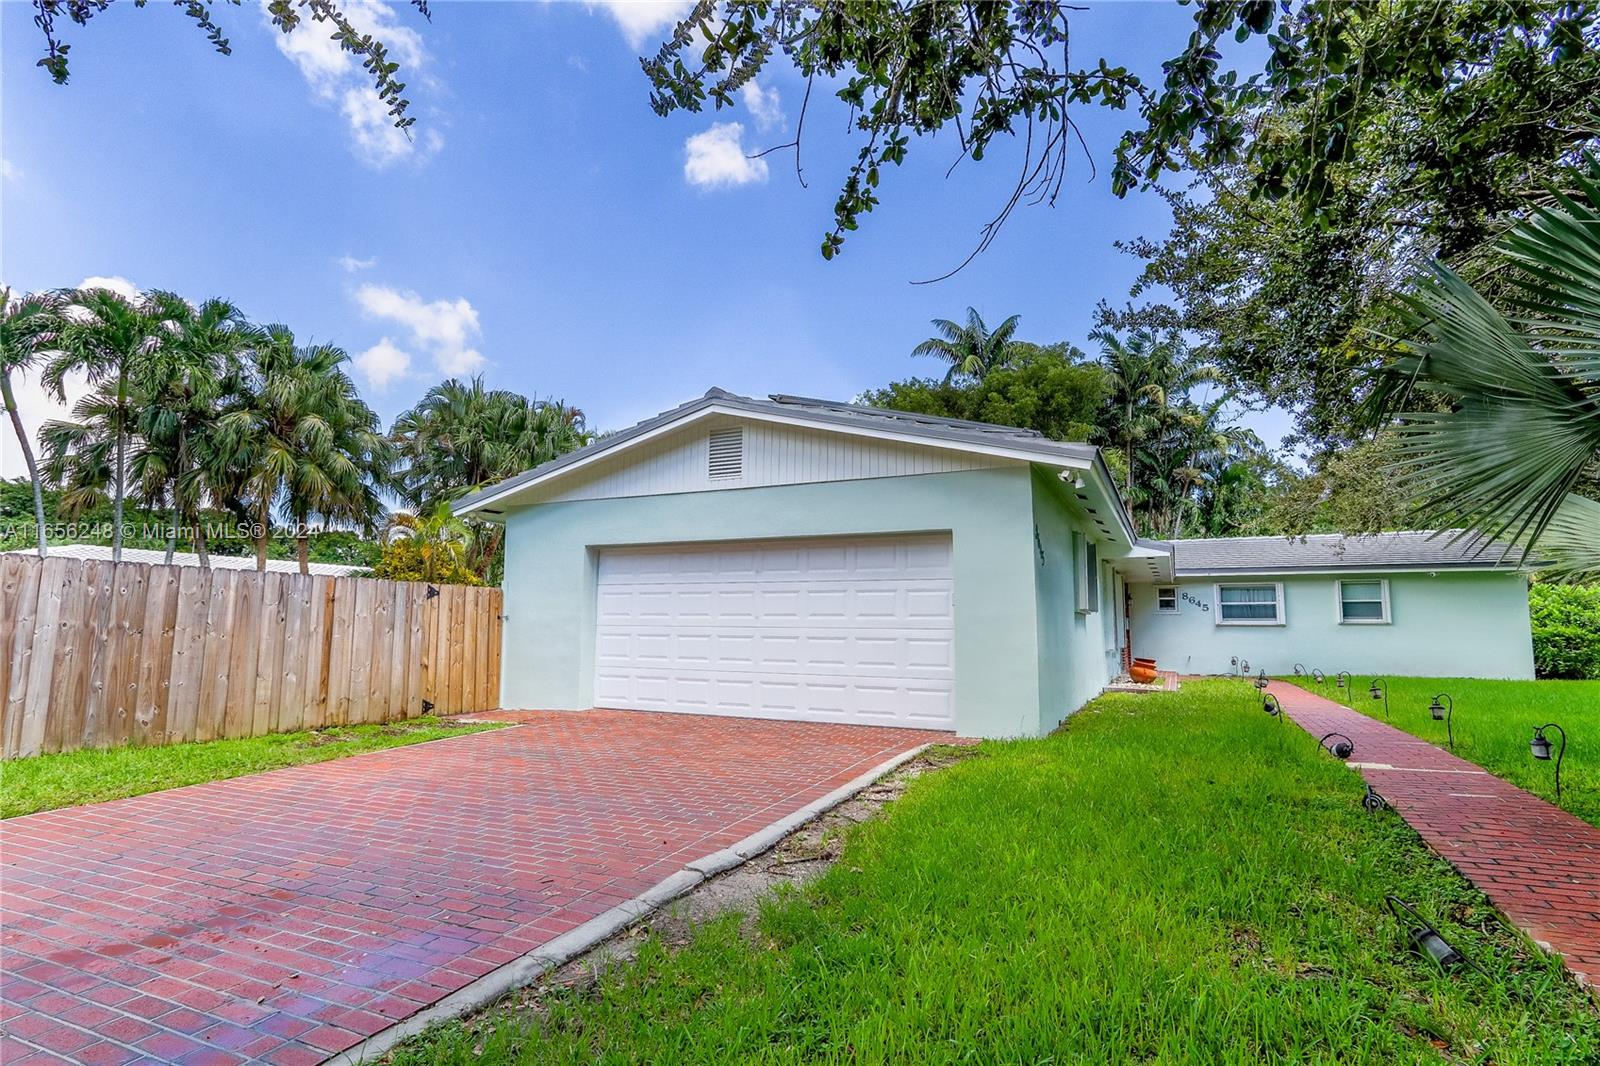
<point x="1566" y="630"/>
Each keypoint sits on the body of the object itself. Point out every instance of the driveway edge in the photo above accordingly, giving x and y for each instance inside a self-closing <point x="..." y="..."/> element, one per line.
<point x="569" y="945"/>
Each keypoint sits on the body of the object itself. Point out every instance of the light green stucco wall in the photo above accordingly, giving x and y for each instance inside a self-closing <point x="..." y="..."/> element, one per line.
<point x="548" y="658"/>
<point x="1076" y="651"/>
<point x="1455" y="624"/>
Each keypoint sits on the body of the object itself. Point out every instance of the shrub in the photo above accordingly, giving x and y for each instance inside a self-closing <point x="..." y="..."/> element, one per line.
<point x="415" y="559"/>
<point x="1566" y="630"/>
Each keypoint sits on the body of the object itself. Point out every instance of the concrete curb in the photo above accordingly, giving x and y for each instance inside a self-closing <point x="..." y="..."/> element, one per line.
<point x="569" y="945"/>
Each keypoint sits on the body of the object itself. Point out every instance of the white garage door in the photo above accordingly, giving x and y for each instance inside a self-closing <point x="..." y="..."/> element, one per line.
<point x="831" y="630"/>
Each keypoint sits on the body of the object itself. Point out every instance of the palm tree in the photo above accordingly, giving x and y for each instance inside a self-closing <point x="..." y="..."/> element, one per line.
<point x="107" y="337"/>
<point x="180" y="388"/>
<point x="1522" y="389"/>
<point x="972" y="350"/>
<point x="298" y="436"/>
<point x="1151" y="378"/>
<point x="29" y="326"/>
<point x="462" y="436"/>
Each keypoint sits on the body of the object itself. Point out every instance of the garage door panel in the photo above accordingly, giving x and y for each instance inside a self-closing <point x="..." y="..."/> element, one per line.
<point x="848" y="631"/>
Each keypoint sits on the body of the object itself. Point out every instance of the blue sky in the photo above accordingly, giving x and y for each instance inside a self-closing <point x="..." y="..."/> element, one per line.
<point x="543" y="226"/>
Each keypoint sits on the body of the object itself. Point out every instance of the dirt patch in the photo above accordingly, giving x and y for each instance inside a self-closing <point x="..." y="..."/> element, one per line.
<point x="798" y="859"/>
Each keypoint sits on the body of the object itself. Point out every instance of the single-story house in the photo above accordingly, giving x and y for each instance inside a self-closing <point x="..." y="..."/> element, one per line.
<point x="797" y="558"/>
<point x="158" y="557"/>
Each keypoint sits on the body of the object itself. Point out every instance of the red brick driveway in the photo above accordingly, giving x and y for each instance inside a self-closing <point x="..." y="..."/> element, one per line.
<point x="286" y="916"/>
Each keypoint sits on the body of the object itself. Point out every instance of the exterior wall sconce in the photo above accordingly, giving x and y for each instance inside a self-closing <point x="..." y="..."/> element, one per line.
<point x="1261" y="678"/>
<point x="1341" y="748"/>
<point x="1425" y="939"/>
<point x="1380" y="691"/>
<point x="1443" y="712"/>
<point x="1539" y="745"/>
<point x="1270" y="704"/>
<point x="1372" y="801"/>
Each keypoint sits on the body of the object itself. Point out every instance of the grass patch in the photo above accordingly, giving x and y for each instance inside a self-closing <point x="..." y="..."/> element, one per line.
<point x="45" y="782"/>
<point x="1174" y="878"/>
<point x="1493" y="723"/>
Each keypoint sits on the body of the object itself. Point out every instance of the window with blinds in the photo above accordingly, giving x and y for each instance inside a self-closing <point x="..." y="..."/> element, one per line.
<point x="1363" y="602"/>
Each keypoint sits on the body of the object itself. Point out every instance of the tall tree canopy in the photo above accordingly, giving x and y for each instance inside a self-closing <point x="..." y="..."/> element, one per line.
<point x="1340" y="70"/>
<point x="1281" y="291"/>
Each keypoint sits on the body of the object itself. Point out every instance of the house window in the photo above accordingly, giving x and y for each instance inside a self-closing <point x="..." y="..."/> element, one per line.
<point x="1363" y="603"/>
<point x="1167" y="599"/>
<point x="1250" y="605"/>
<point x="1088" y="576"/>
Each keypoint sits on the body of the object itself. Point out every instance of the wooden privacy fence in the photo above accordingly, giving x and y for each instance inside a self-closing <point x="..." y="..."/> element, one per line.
<point x="98" y="654"/>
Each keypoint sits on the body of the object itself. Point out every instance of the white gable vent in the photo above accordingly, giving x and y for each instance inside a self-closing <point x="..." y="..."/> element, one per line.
<point x="727" y="454"/>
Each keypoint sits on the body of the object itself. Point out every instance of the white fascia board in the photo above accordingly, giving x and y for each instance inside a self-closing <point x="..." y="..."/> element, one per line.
<point x="1354" y="572"/>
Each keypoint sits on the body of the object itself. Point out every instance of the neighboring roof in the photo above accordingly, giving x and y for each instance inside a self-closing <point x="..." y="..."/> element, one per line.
<point x="1024" y="444"/>
<point x="218" y="562"/>
<point x="1410" y="550"/>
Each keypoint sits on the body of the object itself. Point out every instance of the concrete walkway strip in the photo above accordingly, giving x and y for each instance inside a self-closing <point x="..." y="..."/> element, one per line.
<point x="553" y="953"/>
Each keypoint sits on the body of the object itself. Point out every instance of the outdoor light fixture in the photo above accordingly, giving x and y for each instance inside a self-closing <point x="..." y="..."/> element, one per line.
<point x="1443" y="712"/>
<point x="1234" y="662"/>
<point x="1342" y="681"/>
<point x="1342" y="748"/>
<point x="1299" y="671"/>
<point x="1270" y="704"/>
<point x="1380" y="691"/>
<point x="1372" y="801"/>
<point x="1244" y="666"/>
<point x="1261" y="679"/>
<point x="1319" y="677"/>
<point x="1540" y="747"/>
<point x="1425" y="939"/>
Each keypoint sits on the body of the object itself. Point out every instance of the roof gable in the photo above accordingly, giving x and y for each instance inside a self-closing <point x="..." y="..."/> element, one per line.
<point x="953" y="435"/>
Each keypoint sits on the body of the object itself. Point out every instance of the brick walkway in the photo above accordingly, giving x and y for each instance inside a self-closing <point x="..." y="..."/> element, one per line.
<point x="1538" y="864"/>
<point x="286" y="916"/>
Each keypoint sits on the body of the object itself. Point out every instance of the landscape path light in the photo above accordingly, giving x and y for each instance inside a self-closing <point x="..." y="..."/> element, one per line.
<point x="1319" y="677"/>
<point x="1425" y="939"/>
<point x="1341" y="680"/>
<point x="1270" y="704"/>
<point x="1299" y="670"/>
<point x="1380" y="691"/>
<point x="1342" y="748"/>
<point x="1540" y="747"/>
<point x="1261" y="679"/>
<point x="1444" y="712"/>
<point x="1372" y="801"/>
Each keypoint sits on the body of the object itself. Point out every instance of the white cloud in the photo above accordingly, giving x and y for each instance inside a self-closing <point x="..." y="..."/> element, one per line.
<point x="352" y="265"/>
<point x="641" y="20"/>
<point x="114" y="283"/>
<point x="337" y="78"/>
<point x="383" y="363"/>
<point x="716" y="159"/>
<point x="764" y="105"/>
<point x="446" y="328"/>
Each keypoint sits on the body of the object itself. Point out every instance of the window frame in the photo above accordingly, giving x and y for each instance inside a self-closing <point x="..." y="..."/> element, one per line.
<point x="1167" y="610"/>
<point x="1086" y="561"/>
<point x="1280" y="608"/>
<point x="1383" y="598"/>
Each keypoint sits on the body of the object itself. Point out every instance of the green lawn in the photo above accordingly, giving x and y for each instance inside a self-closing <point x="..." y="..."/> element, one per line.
<point x="1493" y="722"/>
<point x="1176" y="878"/>
<point x="49" y="781"/>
